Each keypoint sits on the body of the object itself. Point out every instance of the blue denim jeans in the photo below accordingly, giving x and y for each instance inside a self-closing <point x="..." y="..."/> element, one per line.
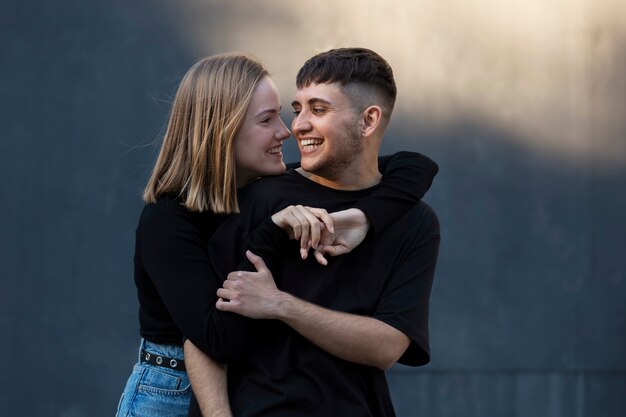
<point x="155" y="391"/>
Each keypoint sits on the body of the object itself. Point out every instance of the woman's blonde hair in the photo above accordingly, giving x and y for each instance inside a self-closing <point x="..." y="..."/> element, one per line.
<point x="197" y="159"/>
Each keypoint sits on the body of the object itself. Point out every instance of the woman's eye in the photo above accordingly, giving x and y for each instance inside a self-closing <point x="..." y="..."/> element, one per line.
<point x="265" y="121"/>
<point x="296" y="112"/>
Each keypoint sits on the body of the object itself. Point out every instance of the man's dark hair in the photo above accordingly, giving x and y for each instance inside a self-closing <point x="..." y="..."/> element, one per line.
<point x="358" y="67"/>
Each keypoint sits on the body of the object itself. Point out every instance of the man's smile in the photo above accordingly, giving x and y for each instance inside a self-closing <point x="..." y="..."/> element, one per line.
<point x="310" y="144"/>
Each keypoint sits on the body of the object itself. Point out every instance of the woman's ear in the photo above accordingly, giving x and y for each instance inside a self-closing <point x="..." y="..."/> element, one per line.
<point x="370" y="120"/>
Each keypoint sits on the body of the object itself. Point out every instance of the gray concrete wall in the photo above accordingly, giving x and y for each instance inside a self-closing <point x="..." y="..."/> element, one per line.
<point x="528" y="313"/>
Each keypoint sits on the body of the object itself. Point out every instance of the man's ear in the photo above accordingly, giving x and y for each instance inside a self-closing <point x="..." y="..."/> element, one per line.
<point x="371" y="118"/>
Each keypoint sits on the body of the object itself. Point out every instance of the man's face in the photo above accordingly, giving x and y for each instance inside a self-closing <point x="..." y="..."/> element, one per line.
<point x="326" y="128"/>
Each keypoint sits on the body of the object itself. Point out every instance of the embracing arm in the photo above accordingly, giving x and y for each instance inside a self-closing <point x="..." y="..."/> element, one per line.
<point x="208" y="382"/>
<point x="351" y="337"/>
<point x="407" y="176"/>
<point x="376" y="341"/>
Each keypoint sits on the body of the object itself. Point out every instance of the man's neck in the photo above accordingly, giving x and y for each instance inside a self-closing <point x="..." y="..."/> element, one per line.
<point x="357" y="176"/>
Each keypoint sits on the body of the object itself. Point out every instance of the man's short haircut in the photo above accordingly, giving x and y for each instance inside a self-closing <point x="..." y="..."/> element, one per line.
<point x="360" y="71"/>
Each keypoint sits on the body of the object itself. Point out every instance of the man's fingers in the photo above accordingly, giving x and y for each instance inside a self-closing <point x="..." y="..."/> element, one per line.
<point x="319" y="256"/>
<point x="224" y="305"/>
<point x="224" y="293"/>
<point x="334" y="250"/>
<point x="257" y="261"/>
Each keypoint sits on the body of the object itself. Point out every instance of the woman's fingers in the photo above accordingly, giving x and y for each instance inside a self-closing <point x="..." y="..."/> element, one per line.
<point x="305" y="224"/>
<point x="324" y="217"/>
<point x="306" y="228"/>
<point x="314" y="230"/>
<point x="300" y="215"/>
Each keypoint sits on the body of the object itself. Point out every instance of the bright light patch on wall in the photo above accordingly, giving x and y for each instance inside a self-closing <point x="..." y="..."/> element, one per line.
<point x="549" y="73"/>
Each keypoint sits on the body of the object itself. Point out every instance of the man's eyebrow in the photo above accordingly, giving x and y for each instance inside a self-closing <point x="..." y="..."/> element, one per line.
<point x="315" y="100"/>
<point x="312" y="102"/>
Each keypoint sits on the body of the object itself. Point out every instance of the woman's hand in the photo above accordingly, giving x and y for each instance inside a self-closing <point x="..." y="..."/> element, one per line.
<point x="331" y="234"/>
<point x="305" y="224"/>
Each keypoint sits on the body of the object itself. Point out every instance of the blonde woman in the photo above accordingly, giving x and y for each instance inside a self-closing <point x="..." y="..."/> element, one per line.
<point x="224" y="131"/>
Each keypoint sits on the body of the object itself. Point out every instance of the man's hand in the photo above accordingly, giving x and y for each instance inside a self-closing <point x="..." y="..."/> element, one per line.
<point x="251" y="294"/>
<point x="350" y="228"/>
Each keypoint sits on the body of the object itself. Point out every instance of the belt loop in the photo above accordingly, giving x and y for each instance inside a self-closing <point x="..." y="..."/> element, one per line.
<point x="142" y="347"/>
<point x="163" y="361"/>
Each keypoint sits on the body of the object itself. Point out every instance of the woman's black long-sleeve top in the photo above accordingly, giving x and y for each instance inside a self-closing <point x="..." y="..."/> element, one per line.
<point x="171" y="269"/>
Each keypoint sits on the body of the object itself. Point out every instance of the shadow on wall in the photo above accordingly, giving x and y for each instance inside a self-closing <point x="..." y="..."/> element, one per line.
<point x="530" y="269"/>
<point x="527" y="313"/>
<point x="77" y="83"/>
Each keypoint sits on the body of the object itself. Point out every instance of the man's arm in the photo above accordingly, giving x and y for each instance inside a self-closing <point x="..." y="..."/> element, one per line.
<point x="408" y="177"/>
<point x="401" y="316"/>
<point x="351" y="337"/>
<point x="208" y="381"/>
<point x="226" y="335"/>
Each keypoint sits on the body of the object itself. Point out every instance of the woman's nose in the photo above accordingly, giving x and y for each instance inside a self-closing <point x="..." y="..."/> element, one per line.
<point x="283" y="133"/>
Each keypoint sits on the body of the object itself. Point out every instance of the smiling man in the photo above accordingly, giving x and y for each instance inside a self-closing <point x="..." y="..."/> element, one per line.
<point x="333" y="330"/>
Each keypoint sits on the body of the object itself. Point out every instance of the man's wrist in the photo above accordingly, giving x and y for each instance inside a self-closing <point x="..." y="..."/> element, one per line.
<point x="286" y="306"/>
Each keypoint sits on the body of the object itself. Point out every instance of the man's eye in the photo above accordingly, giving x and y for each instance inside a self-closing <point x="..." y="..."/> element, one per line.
<point x="296" y="111"/>
<point x="317" y="110"/>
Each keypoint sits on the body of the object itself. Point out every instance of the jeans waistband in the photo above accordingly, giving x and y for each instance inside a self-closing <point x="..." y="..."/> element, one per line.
<point x="167" y="356"/>
<point x="171" y="351"/>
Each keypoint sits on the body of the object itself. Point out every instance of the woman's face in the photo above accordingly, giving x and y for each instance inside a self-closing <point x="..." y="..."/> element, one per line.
<point x="258" y="144"/>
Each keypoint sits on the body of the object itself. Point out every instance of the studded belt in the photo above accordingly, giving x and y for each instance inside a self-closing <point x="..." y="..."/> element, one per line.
<point x="164" y="361"/>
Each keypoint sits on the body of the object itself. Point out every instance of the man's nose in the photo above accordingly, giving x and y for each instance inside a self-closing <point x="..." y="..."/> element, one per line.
<point x="300" y="123"/>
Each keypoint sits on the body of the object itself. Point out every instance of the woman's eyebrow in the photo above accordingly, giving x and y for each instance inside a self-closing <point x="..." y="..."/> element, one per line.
<point x="268" y="111"/>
